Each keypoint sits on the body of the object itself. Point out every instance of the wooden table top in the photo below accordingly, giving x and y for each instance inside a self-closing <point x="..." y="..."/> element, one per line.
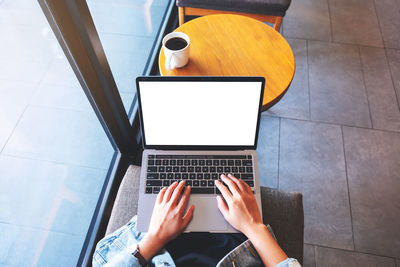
<point x="232" y="45"/>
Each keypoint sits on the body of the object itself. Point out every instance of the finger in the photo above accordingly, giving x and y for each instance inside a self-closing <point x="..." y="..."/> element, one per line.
<point x="184" y="199"/>
<point x="231" y="184"/>
<point x="160" y="195"/>
<point x="245" y="185"/>
<point x="169" y="191"/>
<point x="224" y="191"/>
<point x="188" y="216"/>
<point x="222" y="206"/>
<point x="248" y="188"/>
<point x="177" y="192"/>
<point x="239" y="183"/>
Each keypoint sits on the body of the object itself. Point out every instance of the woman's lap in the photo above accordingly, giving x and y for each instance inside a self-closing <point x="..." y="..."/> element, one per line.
<point x="203" y="249"/>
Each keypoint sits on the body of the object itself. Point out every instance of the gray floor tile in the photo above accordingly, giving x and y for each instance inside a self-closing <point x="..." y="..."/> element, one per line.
<point x="328" y="257"/>
<point x="50" y="196"/>
<point x="13" y="100"/>
<point x="389" y="20"/>
<point x="337" y="91"/>
<point x="374" y="180"/>
<point x="394" y="63"/>
<point x="397" y="262"/>
<point x="267" y="150"/>
<point x="355" y="22"/>
<point x="312" y="162"/>
<point x="383" y="105"/>
<point x="308" y="19"/>
<point x="67" y="136"/>
<point x="295" y="103"/>
<point x="22" y="246"/>
<point x="309" y="256"/>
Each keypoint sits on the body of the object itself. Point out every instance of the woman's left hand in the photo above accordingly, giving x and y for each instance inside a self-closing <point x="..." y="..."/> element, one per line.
<point x="168" y="219"/>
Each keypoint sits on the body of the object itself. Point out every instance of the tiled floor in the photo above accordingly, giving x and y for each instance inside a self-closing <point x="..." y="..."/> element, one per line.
<point x="335" y="136"/>
<point x="54" y="154"/>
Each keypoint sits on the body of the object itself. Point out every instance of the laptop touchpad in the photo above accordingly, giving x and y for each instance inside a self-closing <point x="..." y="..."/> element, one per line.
<point x="206" y="215"/>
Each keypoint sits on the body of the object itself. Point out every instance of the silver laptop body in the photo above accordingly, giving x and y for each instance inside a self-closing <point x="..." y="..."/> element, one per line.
<point x="202" y="120"/>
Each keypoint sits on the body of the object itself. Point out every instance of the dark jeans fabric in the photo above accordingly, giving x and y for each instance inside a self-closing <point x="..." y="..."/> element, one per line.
<point x="203" y="249"/>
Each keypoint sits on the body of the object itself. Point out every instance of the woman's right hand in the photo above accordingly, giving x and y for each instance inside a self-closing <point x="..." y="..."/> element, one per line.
<point x="238" y="205"/>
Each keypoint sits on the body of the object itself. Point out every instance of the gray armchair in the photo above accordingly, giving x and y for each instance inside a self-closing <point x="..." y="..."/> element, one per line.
<point x="283" y="211"/>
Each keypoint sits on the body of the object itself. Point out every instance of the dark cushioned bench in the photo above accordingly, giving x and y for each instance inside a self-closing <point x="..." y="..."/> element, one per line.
<point x="271" y="11"/>
<point x="266" y="7"/>
<point x="282" y="210"/>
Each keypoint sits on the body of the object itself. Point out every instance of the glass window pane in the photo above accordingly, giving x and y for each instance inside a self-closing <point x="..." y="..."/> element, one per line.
<point x="127" y="30"/>
<point x="54" y="154"/>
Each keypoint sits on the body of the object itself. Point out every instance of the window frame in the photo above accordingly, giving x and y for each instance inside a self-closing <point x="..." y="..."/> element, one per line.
<point x="75" y="31"/>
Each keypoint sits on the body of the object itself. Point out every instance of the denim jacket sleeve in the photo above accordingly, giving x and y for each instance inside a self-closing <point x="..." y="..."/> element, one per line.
<point x="246" y="255"/>
<point x="116" y="248"/>
<point x="290" y="262"/>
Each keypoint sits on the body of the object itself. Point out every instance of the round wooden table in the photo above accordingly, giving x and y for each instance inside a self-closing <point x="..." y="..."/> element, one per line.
<point x="232" y="45"/>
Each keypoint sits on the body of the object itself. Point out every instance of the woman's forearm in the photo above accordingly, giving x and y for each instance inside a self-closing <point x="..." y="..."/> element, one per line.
<point x="267" y="248"/>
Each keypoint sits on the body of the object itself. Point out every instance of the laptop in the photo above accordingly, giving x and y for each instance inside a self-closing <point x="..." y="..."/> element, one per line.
<point x="195" y="129"/>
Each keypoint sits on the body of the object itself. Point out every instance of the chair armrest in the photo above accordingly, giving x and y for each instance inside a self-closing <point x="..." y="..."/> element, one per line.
<point x="283" y="211"/>
<point x="126" y="202"/>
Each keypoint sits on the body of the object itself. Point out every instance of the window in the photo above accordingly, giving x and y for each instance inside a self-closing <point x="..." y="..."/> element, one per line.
<point x="54" y="153"/>
<point x="128" y="30"/>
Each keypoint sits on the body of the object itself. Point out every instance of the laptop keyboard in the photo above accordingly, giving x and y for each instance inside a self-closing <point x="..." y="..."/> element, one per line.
<point x="199" y="171"/>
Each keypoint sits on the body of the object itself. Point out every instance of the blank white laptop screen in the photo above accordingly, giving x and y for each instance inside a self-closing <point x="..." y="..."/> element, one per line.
<point x="200" y="113"/>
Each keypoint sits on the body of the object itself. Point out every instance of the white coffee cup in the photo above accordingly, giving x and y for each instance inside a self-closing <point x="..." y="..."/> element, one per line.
<point x="176" y="58"/>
